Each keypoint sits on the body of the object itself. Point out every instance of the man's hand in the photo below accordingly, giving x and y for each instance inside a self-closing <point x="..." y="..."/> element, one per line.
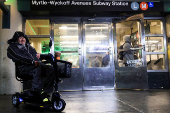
<point x="37" y="63"/>
<point x="38" y="55"/>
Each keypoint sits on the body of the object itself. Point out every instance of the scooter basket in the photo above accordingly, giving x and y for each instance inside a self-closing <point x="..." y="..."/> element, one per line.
<point x="64" y="68"/>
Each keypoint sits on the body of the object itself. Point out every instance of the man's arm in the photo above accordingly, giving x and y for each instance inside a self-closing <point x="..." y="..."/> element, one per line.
<point x="12" y="53"/>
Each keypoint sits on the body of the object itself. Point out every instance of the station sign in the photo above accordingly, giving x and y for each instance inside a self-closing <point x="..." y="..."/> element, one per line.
<point x="71" y="5"/>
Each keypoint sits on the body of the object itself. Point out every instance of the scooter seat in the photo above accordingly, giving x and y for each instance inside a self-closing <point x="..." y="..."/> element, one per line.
<point x="25" y="76"/>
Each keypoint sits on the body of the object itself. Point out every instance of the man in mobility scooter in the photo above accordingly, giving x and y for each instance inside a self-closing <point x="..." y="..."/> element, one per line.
<point x="29" y="67"/>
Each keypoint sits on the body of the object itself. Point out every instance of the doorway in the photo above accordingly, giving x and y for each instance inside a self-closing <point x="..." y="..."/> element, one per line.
<point x="98" y="66"/>
<point x="130" y="60"/>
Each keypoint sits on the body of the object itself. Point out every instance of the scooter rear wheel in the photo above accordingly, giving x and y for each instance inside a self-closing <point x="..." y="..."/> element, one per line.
<point x="15" y="100"/>
<point x="58" y="105"/>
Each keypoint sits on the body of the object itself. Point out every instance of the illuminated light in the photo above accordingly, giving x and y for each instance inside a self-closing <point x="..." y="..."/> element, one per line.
<point x="88" y="36"/>
<point x="93" y="42"/>
<point x="20" y="99"/>
<point x="9" y="2"/>
<point x="103" y="46"/>
<point x="68" y="36"/>
<point x="96" y="36"/>
<point x="31" y="27"/>
<point x="67" y="46"/>
<point x="71" y="42"/>
<point x="152" y="41"/>
<point x="98" y="51"/>
<point x="74" y="42"/>
<point x="99" y="28"/>
<point x="65" y="27"/>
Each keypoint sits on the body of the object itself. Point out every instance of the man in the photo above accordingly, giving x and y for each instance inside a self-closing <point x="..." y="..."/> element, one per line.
<point x="95" y="62"/>
<point x="127" y="54"/>
<point x="106" y="60"/>
<point x="27" y="60"/>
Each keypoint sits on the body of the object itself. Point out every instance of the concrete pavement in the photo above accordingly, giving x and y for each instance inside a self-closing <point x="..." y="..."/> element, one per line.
<point x="106" y="101"/>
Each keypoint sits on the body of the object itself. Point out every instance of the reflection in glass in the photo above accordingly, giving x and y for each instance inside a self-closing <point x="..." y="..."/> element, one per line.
<point x="71" y="57"/>
<point x="97" y="45"/>
<point x="155" y="62"/>
<point x="154" y="44"/>
<point x="153" y="27"/>
<point x="128" y="36"/>
<point x="66" y="40"/>
<point x="37" y="27"/>
<point x="41" y="45"/>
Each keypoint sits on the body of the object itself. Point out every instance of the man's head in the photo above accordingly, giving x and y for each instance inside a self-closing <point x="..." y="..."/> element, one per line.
<point x="19" y="37"/>
<point x="126" y="38"/>
<point x="107" y="53"/>
<point x="21" y="40"/>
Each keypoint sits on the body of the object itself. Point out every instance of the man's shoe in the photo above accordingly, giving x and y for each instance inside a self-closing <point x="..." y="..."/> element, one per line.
<point x="45" y="100"/>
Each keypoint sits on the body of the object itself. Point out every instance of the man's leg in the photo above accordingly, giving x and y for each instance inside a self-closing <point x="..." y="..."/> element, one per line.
<point x="48" y="77"/>
<point x="37" y="79"/>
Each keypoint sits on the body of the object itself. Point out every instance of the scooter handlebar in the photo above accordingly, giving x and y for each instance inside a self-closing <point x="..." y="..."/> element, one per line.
<point x="48" y="57"/>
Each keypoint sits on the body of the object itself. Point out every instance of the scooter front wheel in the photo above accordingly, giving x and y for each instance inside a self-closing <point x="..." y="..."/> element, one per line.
<point x="58" y="105"/>
<point x="15" y="100"/>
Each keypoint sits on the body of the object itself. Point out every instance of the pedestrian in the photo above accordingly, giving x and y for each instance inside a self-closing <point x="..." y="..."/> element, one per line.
<point x="95" y="62"/>
<point x="106" y="60"/>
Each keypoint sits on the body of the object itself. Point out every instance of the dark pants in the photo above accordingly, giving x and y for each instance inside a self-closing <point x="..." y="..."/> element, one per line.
<point x="43" y="77"/>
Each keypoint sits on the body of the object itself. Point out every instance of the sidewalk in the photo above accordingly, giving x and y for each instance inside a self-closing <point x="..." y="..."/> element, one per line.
<point x="107" y="101"/>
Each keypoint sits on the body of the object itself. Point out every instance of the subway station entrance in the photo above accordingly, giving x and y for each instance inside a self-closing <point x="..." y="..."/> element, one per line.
<point x="92" y="45"/>
<point x="89" y="46"/>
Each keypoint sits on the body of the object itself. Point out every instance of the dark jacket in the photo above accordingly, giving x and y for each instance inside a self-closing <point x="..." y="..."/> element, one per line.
<point x="105" y="60"/>
<point x="20" y="54"/>
<point x="128" y="55"/>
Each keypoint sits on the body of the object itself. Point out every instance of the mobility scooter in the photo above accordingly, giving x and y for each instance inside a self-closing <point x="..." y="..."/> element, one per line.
<point x="27" y="96"/>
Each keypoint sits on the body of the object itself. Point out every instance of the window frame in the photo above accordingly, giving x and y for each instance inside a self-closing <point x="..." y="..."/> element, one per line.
<point x="36" y="36"/>
<point x="165" y="43"/>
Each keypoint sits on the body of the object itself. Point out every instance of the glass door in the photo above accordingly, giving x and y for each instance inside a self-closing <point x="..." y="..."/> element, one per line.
<point x="67" y="41"/>
<point x="130" y="63"/>
<point x="97" y="58"/>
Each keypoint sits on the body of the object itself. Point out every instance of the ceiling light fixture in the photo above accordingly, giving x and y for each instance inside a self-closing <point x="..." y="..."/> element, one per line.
<point x="88" y="36"/>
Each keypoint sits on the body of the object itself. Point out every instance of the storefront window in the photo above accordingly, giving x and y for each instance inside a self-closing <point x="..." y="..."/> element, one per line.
<point x="155" y="62"/>
<point x="153" y="27"/>
<point x="129" y="44"/>
<point x="40" y="44"/>
<point x="154" y="44"/>
<point x="66" y="40"/>
<point x="37" y="27"/>
<point x="97" y="45"/>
